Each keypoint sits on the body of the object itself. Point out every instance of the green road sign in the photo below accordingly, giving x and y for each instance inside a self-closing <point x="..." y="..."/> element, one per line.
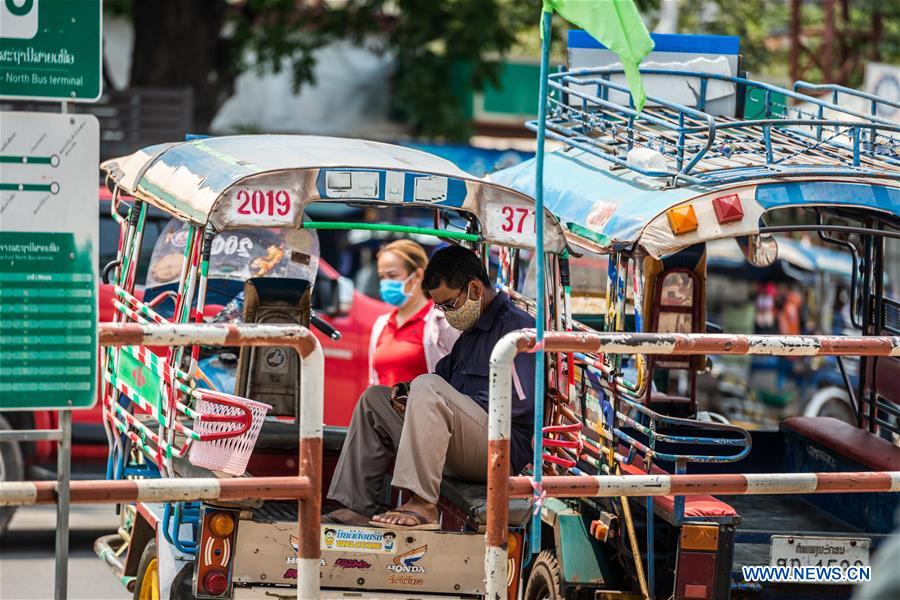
<point x="50" y="49"/>
<point x="49" y="238"/>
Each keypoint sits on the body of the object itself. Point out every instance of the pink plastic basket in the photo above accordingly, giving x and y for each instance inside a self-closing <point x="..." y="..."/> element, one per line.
<point x="228" y="454"/>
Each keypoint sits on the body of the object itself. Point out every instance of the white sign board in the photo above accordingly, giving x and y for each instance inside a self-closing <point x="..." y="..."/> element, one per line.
<point x="883" y="80"/>
<point x="49" y="240"/>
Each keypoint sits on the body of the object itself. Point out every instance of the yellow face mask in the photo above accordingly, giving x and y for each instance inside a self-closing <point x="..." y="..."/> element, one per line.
<point x="464" y="317"/>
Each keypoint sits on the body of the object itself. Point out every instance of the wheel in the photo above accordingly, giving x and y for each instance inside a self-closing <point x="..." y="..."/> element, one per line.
<point x="11" y="469"/>
<point x="830" y="402"/>
<point x="147" y="585"/>
<point x="838" y="409"/>
<point x="544" y="580"/>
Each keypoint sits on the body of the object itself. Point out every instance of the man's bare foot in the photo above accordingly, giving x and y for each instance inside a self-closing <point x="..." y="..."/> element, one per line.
<point x="415" y="513"/>
<point x="345" y="516"/>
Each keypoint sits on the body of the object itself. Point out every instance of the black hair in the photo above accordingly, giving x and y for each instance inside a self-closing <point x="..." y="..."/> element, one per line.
<point x="333" y="531"/>
<point x="454" y="266"/>
<point x="389" y="534"/>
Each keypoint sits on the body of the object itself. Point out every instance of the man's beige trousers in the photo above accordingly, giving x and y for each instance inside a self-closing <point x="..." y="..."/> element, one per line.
<point x="443" y="432"/>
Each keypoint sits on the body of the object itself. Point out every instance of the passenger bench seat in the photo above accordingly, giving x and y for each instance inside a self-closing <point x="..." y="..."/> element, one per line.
<point x="697" y="506"/>
<point x="846" y="440"/>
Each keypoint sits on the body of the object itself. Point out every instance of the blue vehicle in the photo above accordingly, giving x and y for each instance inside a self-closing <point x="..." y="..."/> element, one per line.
<point x="713" y="156"/>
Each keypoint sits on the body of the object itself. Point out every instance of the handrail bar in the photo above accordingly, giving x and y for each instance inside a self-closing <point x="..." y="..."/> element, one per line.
<point x="728" y="78"/>
<point x="500" y="486"/>
<point x="836" y="89"/>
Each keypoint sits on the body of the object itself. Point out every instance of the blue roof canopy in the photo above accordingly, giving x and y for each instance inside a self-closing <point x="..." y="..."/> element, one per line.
<point x="615" y="206"/>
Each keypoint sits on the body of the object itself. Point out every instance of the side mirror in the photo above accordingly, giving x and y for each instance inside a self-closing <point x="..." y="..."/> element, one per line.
<point x="332" y="297"/>
<point x="345" y="291"/>
<point x="713" y="327"/>
<point x="759" y="250"/>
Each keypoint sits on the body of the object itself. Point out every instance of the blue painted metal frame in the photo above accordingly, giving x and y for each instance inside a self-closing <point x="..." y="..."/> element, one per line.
<point x="539" y="374"/>
<point x="647" y="424"/>
<point x="176" y="514"/>
<point x="688" y="137"/>
<point x="837" y="90"/>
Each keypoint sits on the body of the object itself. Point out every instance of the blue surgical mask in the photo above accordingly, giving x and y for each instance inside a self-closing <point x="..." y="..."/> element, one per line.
<point x="392" y="291"/>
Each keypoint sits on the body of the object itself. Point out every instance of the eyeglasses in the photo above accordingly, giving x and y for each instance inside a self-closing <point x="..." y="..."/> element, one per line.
<point x="451" y="305"/>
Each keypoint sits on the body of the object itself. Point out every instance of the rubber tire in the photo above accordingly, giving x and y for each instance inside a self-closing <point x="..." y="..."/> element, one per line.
<point x="13" y="470"/>
<point x="147" y="555"/>
<point x="182" y="585"/>
<point x="838" y="409"/>
<point x="544" y="579"/>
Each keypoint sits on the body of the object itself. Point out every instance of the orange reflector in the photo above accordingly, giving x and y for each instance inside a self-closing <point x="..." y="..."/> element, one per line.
<point x="221" y="524"/>
<point x="728" y="208"/>
<point x="700" y="537"/>
<point x="682" y="219"/>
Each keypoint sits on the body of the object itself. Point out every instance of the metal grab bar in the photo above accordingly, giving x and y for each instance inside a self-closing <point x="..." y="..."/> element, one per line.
<point x="500" y="487"/>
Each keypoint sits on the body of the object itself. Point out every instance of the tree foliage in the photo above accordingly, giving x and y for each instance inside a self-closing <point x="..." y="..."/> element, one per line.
<point x="865" y="30"/>
<point x="754" y="21"/>
<point x="206" y="44"/>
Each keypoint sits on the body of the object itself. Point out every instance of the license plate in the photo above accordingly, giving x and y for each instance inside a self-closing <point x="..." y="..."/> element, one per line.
<point x="803" y="551"/>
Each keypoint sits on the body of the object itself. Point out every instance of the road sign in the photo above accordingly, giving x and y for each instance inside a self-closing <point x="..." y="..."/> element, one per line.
<point x="50" y="49"/>
<point x="49" y="239"/>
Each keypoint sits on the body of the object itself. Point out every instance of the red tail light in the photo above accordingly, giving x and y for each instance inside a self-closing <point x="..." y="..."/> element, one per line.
<point x="215" y="553"/>
<point x="695" y="577"/>
<point x="215" y="583"/>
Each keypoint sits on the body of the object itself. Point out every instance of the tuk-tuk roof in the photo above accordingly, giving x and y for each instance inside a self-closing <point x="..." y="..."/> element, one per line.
<point x="616" y="207"/>
<point x="233" y="181"/>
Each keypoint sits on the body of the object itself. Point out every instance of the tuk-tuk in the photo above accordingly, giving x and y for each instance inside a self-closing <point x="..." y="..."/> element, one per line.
<point x="652" y="191"/>
<point x="165" y="421"/>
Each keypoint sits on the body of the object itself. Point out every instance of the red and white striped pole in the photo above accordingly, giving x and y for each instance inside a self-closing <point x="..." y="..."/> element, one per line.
<point x="309" y="514"/>
<point x="582" y="486"/>
<point x="306" y="487"/>
<point x="312" y="369"/>
<point x="104" y="491"/>
<point x="500" y="487"/>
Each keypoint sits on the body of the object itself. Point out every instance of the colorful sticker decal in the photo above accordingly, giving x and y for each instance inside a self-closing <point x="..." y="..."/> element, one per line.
<point x="359" y="540"/>
<point x="406" y="562"/>
<point x="352" y="563"/>
<point x="405" y="580"/>
<point x="292" y="572"/>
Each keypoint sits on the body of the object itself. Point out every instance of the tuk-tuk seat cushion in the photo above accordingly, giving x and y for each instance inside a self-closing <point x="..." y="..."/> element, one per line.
<point x="471" y="499"/>
<point x="694" y="506"/>
<point x="844" y="439"/>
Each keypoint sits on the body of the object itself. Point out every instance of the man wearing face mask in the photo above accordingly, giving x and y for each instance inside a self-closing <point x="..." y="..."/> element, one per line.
<point x="441" y="426"/>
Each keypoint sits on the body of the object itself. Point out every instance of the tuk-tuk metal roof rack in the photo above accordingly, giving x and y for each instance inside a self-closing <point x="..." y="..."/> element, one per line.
<point x="875" y="102"/>
<point x="814" y="138"/>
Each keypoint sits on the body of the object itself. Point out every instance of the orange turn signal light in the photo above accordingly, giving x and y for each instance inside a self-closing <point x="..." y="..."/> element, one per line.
<point x="700" y="537"/>
<point x="221" y="524"/>
<point x="682" y="219"/>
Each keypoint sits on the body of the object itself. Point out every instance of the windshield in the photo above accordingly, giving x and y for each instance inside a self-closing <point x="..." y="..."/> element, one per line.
<point x="239" y="254"/>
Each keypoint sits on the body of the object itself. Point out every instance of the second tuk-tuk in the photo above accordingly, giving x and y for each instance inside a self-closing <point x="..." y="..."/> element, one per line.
<point x="651" y="191"/>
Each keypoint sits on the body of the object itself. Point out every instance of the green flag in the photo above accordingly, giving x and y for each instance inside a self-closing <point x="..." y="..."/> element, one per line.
<point x="618" y="26"/>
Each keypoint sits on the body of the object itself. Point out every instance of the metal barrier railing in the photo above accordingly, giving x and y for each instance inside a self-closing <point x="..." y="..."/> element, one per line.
<point x="305" y="487"/>
<point x="500" y="486"/>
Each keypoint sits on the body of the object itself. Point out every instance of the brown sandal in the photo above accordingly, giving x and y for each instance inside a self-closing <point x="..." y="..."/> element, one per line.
<point x="422" y="523"/>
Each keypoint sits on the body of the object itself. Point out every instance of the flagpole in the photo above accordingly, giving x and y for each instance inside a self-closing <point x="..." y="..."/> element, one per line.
<point x="540" y="287"/>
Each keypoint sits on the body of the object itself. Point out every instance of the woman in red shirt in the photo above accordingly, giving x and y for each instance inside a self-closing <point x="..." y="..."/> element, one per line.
<point x="409" y="340"/>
